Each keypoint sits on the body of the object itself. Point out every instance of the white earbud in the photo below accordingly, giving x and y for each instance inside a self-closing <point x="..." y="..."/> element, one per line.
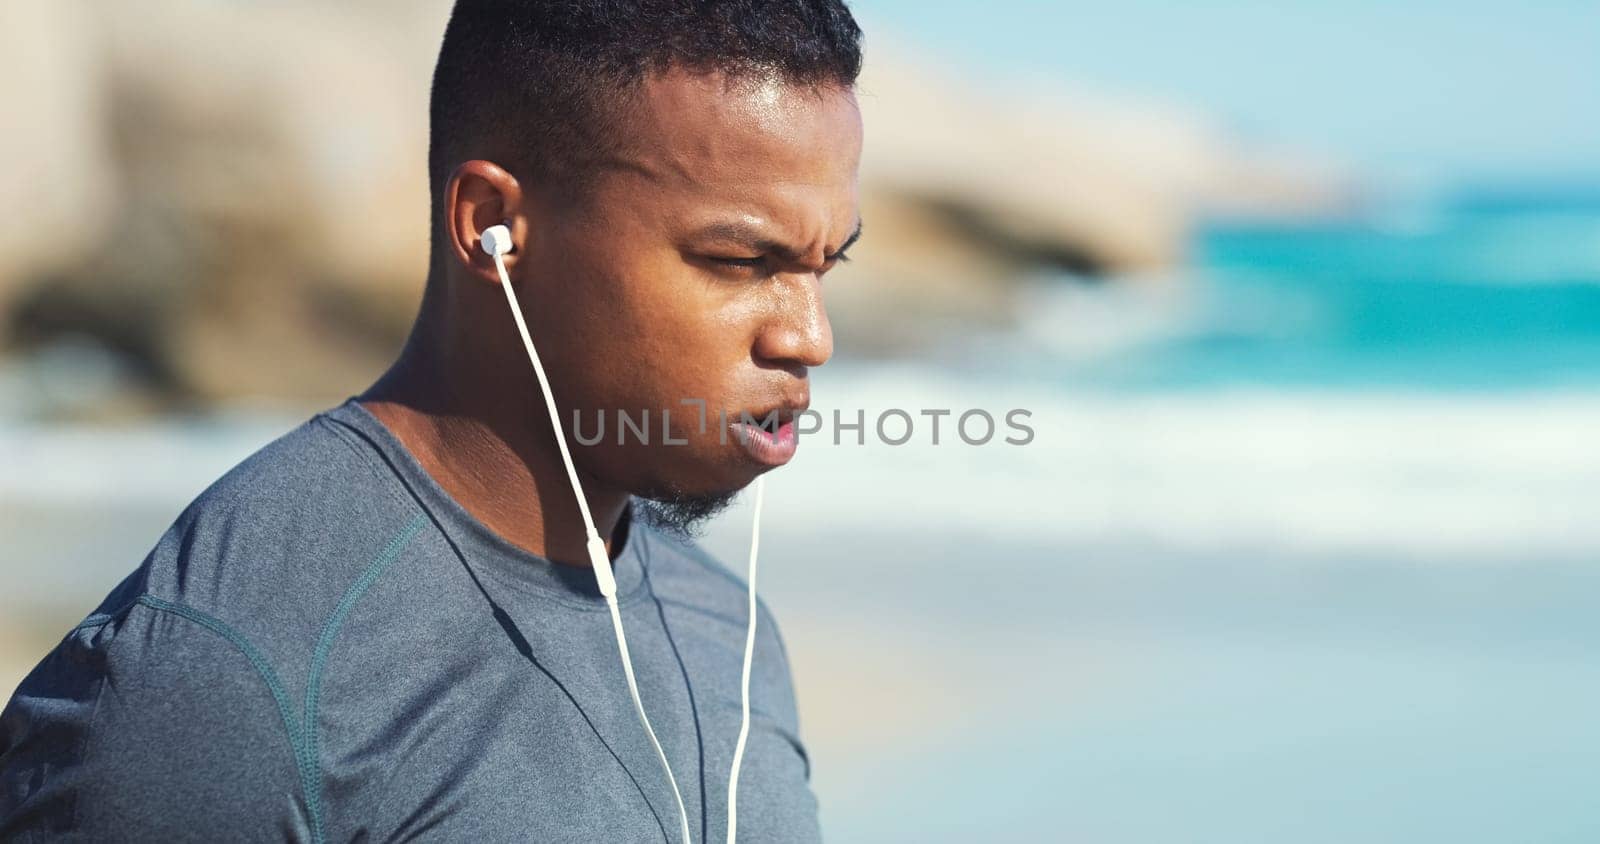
<point x="496" y="241"/>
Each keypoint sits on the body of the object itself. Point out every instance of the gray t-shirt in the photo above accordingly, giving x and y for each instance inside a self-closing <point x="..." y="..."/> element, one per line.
<point x="325" y="646"/>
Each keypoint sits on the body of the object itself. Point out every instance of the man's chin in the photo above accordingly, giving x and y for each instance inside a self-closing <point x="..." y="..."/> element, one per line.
<point x="680" y="513"/>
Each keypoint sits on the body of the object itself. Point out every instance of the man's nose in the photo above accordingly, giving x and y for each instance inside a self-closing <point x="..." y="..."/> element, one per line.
<point x="798" y="335"/>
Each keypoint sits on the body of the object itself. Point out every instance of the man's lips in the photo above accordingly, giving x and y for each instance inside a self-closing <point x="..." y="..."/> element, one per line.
<point x="769" y="435"/>
<point x="773" y="448"/>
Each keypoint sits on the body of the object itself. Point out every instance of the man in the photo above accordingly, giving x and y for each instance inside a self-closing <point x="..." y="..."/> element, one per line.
<point x="383" y="625"/>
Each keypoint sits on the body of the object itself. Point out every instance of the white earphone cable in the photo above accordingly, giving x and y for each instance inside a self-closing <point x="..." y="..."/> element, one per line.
<point x="744" y="681"/>
<point x="496" y="243"/>
<point x="599" y="559"/>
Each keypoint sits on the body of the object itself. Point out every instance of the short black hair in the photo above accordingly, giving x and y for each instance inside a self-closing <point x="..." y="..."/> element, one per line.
<point x="544" y="82"/>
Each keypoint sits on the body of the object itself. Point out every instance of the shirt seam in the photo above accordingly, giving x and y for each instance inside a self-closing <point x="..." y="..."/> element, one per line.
<point x="257" y="660"/>
<point x="302" y="732"/>
<point x="319" y="658"/>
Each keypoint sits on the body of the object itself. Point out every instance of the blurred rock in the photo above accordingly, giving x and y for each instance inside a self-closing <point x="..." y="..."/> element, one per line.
<point x="242" y="142"/>
<point x="970" y="191"/>
<point x="56" y="176"/>
<point x="214" y="157"/>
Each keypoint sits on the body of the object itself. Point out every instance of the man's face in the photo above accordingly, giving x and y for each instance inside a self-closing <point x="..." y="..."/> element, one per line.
<point x="692" y="276"/>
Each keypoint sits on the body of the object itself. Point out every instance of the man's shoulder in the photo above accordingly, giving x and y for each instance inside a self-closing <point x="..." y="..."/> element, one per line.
<point x="304" y="508"/>
<point x="288" y="474"/>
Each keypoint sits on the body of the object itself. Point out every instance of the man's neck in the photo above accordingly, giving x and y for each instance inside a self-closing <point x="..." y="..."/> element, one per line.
<point x="495" y="457"/>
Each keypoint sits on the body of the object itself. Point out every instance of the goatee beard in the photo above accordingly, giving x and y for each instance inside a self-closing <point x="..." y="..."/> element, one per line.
<point x="680" y="514"/>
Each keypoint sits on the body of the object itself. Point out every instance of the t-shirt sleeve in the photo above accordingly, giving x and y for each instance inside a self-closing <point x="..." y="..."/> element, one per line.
<point x="157" y="722"/>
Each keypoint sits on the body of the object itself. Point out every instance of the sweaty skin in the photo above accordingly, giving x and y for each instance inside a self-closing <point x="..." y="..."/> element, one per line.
<point x="692" y="268"/>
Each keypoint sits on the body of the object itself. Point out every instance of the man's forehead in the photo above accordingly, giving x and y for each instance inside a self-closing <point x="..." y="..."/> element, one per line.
<point x="714" y="129"/>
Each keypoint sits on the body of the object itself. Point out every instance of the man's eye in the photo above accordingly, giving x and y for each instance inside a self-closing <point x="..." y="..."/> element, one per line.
<point x="741" y="267"/>
<point x="756" y="262"/>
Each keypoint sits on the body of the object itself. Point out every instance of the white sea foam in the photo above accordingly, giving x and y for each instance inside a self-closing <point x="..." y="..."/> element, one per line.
<point x="1491" y="477"/>
<point x="1502" y="477"/>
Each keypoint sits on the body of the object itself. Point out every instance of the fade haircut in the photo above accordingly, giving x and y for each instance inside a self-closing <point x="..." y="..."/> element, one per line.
<point x="542" y="86"/>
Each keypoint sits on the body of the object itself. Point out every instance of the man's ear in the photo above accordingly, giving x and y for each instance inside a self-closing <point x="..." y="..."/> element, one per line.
<point x="481" y="194"/>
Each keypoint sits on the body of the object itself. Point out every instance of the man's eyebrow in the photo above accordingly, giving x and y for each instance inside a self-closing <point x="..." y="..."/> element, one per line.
<point x="751" y="238"/>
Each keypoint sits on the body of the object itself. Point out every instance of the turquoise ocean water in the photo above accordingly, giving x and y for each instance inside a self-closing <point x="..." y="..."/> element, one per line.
<point x="1479" y="293"/>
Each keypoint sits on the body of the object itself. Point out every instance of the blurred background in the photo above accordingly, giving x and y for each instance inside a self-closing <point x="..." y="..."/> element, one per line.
<point x="1304" y="299"/>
